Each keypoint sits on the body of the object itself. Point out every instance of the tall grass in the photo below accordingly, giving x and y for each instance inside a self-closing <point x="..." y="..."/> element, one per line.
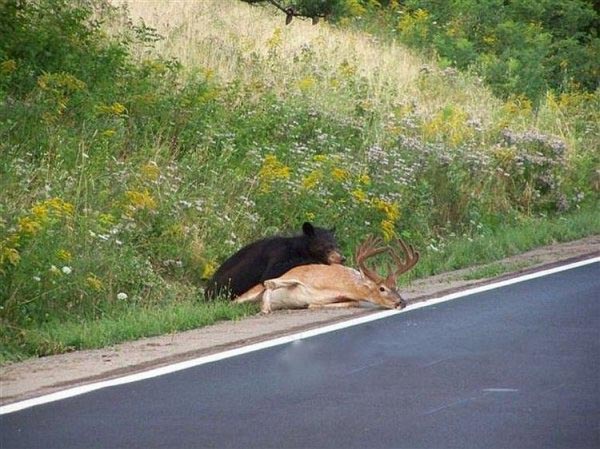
<point x="128" y="174"/>
<point x="334" y="67"/>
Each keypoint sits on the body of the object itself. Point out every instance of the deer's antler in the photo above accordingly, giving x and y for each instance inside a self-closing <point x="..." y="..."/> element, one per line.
<point x="369" y="248"/>
<point x="402" y="266"/>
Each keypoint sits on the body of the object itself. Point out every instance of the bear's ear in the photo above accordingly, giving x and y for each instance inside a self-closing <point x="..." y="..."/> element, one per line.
<point x="308" y="229"/>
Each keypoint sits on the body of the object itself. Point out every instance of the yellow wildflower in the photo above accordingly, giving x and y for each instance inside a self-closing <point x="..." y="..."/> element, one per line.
<point x="364" y="179"/>
<point x="10" y="255"/>
<point x="40" y="211"/>
<point x="489" y="39"/>
<point x="339" y="174"/>
<point x="306" y="83"/>
<point x="359" y="195"/>
<point x="518" y="105"/>
<point x="40" y="214"/>
<point x="346" y="69"/>
<point x="208" y="270"/>
<point x="155" y="66"/>
<point x="450" y="123"/>
<point x="140" y="200"/>
<point x="8" y="66"/>
<point x="116" y="109"/>
<point x="60" y="82"/>
<point x="392" y="213"/>
<point x="276" y="39"/>
<point x="208" y="95"/>
<point x="388" y="230"/>
<point x="106" y="220"/>
<point x="64" y="255"/>
<point x="27" y="225"/>
<point x="271" y="171"/>
<point x="150" y="171"/>
<point x="355" y="8"/>
<point x="415" y="24"/>
<point x="312" y="179"/>
<point x="391" y="210"/>
<point x="59" y="207"/>
<point x="421" y="13"/>
<point x="94" y="282"/>
<point x="505" y="155"/>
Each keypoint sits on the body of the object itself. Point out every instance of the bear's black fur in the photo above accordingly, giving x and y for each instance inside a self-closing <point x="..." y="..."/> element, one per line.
<point x="270" y="258"/>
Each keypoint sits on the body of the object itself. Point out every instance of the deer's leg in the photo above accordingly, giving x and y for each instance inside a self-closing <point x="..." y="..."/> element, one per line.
<point x="287" y="294"/>
<point x="252" y="295"/>
<point x="335" y="305"/>
<point x="266" y="302"/>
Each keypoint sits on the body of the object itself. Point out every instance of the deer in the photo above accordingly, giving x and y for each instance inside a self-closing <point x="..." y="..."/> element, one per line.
<point x="337" y="286"/>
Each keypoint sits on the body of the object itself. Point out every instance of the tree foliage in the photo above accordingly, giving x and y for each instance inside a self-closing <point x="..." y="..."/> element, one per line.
<point x="315" y="9"/>
<point x="520" y="47"/>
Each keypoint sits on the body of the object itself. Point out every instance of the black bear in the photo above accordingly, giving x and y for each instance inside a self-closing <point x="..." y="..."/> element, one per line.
<point x="270" y="258"/>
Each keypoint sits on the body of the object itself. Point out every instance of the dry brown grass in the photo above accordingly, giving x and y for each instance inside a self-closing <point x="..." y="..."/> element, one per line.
<point x="235" y="41"/>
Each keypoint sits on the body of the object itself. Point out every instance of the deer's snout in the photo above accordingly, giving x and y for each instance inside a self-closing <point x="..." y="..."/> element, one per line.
<point x="400" y="304"/>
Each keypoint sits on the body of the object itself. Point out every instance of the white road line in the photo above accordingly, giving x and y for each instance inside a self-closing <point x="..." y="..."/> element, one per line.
<point x="76" y="391"/>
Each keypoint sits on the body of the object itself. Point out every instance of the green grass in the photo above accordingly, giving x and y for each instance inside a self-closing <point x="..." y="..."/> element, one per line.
<point x="496" y="269"/>
<point x="509" y="240"/>
<point x="135" y="322"/>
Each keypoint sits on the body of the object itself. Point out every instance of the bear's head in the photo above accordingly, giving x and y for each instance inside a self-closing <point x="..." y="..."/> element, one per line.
<point x="322" y="244"/>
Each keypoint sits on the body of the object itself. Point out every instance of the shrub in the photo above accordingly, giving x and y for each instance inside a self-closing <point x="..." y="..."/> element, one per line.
<point x="519" y="47"/>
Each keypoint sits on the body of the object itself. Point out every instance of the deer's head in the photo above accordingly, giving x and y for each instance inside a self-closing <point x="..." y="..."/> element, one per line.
<point x="382" y="290"/>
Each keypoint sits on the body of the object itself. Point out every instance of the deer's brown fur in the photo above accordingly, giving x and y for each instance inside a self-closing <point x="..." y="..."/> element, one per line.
<point x="315" y="286"/>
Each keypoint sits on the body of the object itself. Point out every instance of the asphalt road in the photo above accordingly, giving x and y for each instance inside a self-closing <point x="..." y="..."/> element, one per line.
<point x="515" y="367"/>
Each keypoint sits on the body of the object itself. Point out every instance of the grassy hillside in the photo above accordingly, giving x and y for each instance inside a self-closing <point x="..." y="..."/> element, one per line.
<point x="136" y="156"/>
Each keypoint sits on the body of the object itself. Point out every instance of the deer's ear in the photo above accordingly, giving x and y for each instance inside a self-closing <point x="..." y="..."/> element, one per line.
<point x="308" y="229"/>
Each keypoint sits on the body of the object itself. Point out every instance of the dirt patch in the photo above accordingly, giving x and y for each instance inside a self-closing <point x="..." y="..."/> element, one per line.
<point x="36" y="377"/>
